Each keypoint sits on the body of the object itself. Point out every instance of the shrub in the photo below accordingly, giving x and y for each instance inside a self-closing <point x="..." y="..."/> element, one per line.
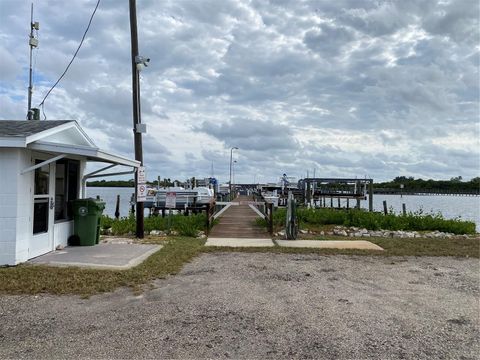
<point x="185" y="225"/>
<point x="374" y="221"/>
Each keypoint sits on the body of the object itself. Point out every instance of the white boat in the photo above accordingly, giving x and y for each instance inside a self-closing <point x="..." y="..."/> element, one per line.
<point x="184" y="198"/>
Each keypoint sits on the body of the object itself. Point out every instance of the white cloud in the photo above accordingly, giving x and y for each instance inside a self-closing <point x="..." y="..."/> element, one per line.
<point x="347" y="87"/>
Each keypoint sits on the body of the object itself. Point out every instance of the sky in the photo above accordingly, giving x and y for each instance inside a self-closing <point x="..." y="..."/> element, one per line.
<point x="344" y="88"/>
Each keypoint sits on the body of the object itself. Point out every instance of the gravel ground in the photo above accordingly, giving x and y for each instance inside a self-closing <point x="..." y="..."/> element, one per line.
<point x="238" y="305"/>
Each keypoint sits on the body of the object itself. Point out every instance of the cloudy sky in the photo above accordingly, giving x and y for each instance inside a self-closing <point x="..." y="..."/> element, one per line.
<point x="346" y="87"/>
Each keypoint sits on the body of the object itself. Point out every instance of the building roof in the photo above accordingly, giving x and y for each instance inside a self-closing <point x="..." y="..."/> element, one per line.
<point x="23" y="128"/>
<point x="56" y="137"/>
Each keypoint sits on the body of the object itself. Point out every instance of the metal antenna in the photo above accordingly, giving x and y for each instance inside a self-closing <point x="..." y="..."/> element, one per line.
<point x="33" y="42"/>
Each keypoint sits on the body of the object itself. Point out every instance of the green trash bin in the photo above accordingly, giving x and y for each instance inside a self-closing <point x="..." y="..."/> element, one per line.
<point x="86" y="226"/>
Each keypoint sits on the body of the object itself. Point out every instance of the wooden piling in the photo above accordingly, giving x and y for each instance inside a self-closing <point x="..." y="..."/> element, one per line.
<point x="404" y="209"/>
<point x="385" y="210"/>
<point x="117" y="208"/>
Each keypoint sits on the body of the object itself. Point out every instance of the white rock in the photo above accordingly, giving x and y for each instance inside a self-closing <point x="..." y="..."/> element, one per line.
<point x="322" y="233"/>
<point x="281" y="233"/>
<point x="303" y="231"/>
<point x="365" y="235"/>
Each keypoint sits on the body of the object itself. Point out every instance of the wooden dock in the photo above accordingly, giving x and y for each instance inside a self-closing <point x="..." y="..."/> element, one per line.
<point x="238" y="221"/>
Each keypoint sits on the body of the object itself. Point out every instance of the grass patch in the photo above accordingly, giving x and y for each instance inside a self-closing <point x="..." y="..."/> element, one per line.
<point x="34" y="279"/>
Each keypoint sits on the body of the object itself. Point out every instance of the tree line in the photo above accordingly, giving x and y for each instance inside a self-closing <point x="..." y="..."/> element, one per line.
<point x="455" y="184"/>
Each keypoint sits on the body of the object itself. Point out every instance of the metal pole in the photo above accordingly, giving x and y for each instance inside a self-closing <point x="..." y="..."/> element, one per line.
<point x="136" y="110"/>
<point x="230" y="181"/>
<point x="30" y="86"/>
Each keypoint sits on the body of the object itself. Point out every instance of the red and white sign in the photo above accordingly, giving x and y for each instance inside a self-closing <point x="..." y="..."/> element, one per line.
<point x="141" y="193"/>
<point x="171" y="200"/>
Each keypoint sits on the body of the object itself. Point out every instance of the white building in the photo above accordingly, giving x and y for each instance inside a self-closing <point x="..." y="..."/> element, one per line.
<point x="42" y="168"/>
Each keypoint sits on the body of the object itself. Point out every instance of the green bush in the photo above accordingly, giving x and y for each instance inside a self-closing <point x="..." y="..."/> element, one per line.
<point x="184" y="225"/>
<point x="374" y="221"/>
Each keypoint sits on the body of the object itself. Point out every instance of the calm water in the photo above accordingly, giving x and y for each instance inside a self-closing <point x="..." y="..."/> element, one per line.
<point x="465" y="207"/>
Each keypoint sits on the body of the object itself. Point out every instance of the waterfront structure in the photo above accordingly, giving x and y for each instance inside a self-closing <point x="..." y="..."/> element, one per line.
<point x="42" y="169"/>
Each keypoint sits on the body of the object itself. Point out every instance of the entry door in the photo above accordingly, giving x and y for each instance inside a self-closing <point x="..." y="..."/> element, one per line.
<point x="43" y="211"/>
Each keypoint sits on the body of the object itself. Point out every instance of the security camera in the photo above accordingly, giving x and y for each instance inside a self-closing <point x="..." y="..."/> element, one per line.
<point x="141" y="62"/>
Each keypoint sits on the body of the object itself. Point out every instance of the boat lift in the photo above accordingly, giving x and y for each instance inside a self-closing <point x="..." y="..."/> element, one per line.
<point x="314" y="191"/>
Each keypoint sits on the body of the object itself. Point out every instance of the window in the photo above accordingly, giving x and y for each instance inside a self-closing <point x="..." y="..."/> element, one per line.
<point x="41" y="198"/>
<point x="66" y="188"/>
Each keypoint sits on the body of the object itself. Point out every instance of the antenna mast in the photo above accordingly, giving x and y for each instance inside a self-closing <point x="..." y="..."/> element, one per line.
<point x="33" y="42"/>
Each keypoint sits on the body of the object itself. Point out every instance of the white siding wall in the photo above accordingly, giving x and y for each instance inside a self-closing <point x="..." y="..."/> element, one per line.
<point x="62" y="232"/>
<point x="9" y="165"/>
<point x="24" y="205"/>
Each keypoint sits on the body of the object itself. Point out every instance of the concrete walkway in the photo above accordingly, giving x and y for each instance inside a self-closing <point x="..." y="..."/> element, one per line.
<point x="318" y="244"/>
<point x="101" y="256"/>
<point x="330" y="244"/>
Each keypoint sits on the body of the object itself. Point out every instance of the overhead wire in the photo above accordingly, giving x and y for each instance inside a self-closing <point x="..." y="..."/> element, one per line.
<point x="42" y="103"/>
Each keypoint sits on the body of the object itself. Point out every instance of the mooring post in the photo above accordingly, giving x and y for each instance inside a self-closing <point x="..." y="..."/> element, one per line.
<point x="358" y="203"/>
<point x="348" y="203"/>
<point x="132" y="205"/>
<point x="309" y="195"/>
<point x="385" y="210"/>
<point x="117" y="208"/>
<point x="338" y="203"/>
<point x="404" y="209"/>
<point x="370" y="195"/>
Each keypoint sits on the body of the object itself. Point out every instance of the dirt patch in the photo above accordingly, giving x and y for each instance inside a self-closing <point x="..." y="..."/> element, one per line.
<point x="260" y="305"/>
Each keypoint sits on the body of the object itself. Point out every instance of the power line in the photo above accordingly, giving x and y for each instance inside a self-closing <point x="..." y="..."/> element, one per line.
<point x="73" y="57"/>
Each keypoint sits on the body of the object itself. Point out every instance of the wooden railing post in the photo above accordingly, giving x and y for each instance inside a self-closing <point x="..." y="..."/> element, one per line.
<point x="208" y="219"/>
<point x="270" y="214"/>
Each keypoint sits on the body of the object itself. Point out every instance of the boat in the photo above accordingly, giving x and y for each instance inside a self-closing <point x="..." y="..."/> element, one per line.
<point x="196" y="197"/>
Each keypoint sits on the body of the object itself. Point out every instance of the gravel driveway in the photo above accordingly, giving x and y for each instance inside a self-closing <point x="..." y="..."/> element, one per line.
<point x="238" y="305"/>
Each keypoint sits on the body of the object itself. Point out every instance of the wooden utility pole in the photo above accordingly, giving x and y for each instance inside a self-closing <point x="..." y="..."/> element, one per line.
<point x="136" y="111"/>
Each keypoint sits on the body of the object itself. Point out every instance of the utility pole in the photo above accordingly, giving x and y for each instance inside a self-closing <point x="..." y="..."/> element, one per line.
<point x="136" y="111"/>
<point x="33" y="42"/>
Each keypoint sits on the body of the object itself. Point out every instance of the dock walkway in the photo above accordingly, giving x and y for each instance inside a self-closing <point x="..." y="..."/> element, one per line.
<point x="238" y="221"/>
